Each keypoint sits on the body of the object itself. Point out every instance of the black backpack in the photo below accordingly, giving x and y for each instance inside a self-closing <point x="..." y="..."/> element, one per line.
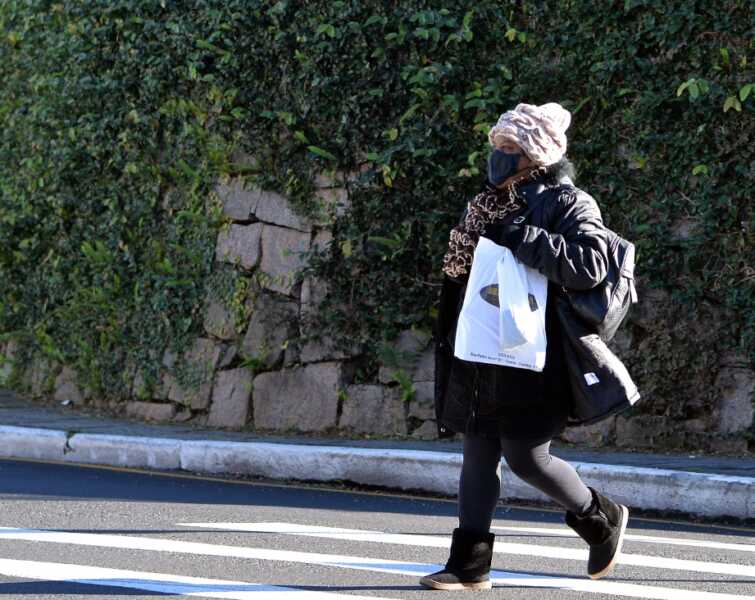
<point x="605" y="306"/>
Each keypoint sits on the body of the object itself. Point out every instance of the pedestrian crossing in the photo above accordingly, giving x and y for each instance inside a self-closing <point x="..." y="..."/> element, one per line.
<point x="535" y="550"/>
<point x="650" y="539"/>
<point x="175" y="585"/>
<point x="260" y="546"/>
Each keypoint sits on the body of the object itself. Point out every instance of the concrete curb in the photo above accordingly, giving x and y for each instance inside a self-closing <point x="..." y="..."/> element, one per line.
<point x="703" y="494"/>
<point x="124" y="451"/>
<point x="28" y="442"/>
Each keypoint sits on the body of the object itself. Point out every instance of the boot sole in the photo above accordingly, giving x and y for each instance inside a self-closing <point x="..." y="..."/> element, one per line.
<point x="436" y="585"/>
<point x="609" y="567"/>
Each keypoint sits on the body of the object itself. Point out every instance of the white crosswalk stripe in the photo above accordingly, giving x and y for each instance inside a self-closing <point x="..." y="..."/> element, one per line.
<point x="656" y="562"/>
<point x="650" y="539"/>
<point x="361" y="563"/>
<point x="176" y="585"/>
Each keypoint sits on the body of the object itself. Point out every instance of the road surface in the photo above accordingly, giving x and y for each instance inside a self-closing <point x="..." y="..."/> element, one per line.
<point x="87" y="532"/>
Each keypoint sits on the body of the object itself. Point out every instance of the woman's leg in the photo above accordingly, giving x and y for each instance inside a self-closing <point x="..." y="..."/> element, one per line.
<point x="471" y="553"/>
<point x="534" y="463"/>
<point x="598" y="520"/>
<point x="479" y="483"/>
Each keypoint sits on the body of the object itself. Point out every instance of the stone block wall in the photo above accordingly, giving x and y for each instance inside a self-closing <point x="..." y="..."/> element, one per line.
<point x="270" y="374"/>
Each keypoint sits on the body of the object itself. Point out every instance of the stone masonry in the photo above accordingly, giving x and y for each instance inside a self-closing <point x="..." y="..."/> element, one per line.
<point x="270" y="373"/>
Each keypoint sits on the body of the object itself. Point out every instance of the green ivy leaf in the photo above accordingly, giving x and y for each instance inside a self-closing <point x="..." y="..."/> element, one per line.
<point x="346" y="248"/>
<point x="407" y="115"/>
<point x="375" y="19"/>
<point x="326" y="28"/>
<point x="205" y="45"/>
<point x="732" y="102"/>
<point x="321" y="152"/>
<point x="389" y="242"/>
<point x="744" y="91"/>
<point x="299" y="135"/>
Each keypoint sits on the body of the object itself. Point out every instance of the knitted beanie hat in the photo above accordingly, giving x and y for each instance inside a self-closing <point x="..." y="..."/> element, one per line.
<point x="540" y="131"/>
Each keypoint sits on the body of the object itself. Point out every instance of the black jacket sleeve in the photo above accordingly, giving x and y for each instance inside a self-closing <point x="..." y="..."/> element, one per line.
<point x="575" y="253"/>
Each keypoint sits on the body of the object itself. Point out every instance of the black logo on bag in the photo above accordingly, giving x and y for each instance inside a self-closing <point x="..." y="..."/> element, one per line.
<point x="490" y="294"/>
<point x="533" y="302"/>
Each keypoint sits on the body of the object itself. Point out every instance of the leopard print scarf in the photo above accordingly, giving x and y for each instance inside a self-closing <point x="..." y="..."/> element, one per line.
<point x="491" y="204"/>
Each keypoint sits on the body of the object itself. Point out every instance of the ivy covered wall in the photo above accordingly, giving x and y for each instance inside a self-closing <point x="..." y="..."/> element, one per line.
<point x="119" y="116"/>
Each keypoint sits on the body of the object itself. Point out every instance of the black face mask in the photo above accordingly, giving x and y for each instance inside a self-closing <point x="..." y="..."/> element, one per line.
<point x="501" y="165"/>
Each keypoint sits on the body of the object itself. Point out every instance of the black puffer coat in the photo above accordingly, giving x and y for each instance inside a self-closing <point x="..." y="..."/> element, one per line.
<point x="564" y="239"/>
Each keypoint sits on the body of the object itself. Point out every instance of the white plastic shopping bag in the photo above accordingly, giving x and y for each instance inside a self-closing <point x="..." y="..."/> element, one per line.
<point x="478" y="330"/>
<point x="519" y="322"/>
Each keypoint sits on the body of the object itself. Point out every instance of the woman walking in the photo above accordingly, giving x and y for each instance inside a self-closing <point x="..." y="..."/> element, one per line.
<point x="509" y="412"/>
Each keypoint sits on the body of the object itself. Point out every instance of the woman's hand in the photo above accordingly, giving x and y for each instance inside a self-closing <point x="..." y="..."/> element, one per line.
<point x="509" y="235"/>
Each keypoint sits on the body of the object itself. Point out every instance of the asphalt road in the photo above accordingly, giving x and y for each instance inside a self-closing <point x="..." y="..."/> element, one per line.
<point x="82" y="532"/>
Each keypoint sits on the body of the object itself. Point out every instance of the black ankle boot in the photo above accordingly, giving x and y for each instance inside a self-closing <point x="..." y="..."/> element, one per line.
<point x="468" y="566"/>
<point x="602" y="527"/>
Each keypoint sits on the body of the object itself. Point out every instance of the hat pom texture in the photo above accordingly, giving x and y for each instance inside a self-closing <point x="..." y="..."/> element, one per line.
<point x="540" y="131"/>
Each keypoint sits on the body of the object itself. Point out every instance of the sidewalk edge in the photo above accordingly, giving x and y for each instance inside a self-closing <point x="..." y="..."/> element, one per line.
<point x="705" y="494"/>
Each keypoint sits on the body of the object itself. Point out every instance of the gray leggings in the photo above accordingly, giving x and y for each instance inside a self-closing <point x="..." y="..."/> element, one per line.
<point x="480" y="481"/>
